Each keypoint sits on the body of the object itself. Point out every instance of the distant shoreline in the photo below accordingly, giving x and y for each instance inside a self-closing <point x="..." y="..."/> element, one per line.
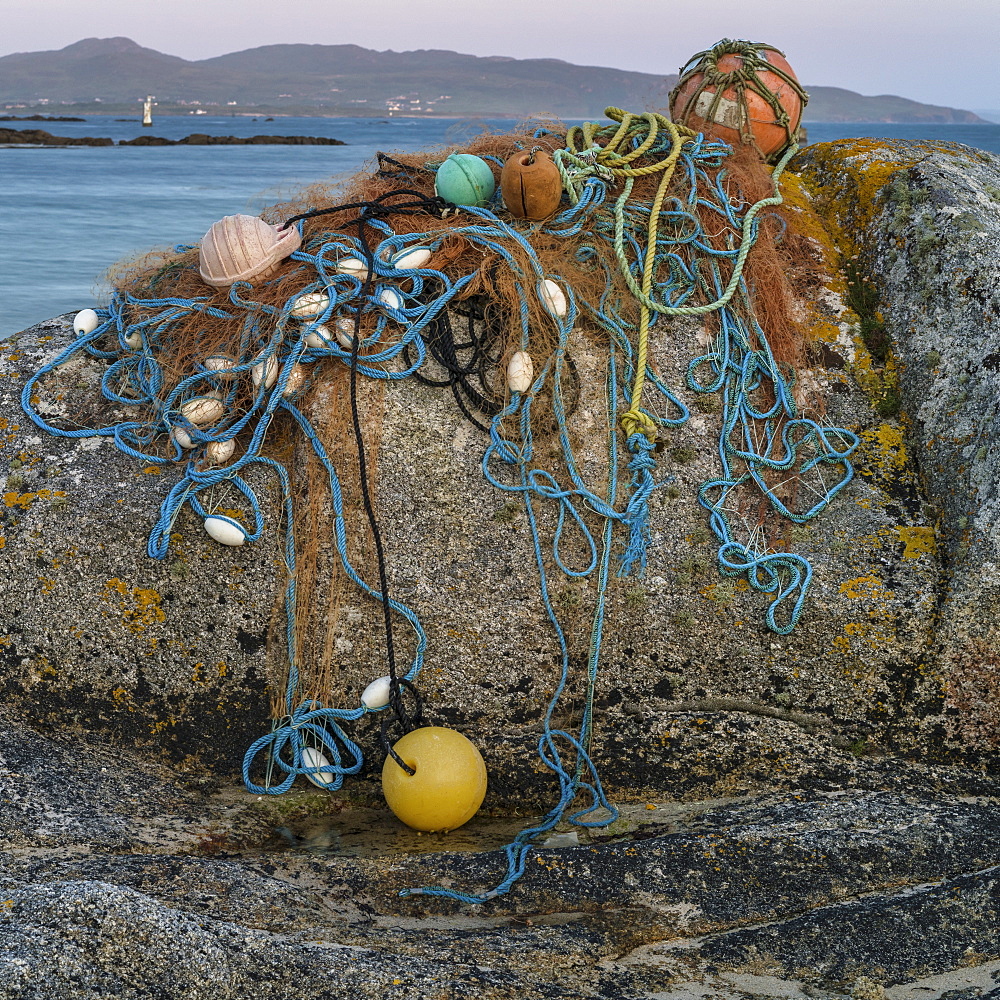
<point x="117" y="112"/>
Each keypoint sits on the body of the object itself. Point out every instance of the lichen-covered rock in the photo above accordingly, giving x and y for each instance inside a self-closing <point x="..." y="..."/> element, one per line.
<point x="170" y="654"/>
<point x="921" y="222"/>
<point x="821" y="812"/>
<point x="847" y="892"/>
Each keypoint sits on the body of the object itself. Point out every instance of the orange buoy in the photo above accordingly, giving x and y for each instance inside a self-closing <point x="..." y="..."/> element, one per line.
<point x="740" y="92"/>
<point x="531" y="185"/>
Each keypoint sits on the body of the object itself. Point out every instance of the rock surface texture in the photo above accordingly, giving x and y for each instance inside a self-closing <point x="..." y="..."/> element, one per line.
<point x="805" y="816"/>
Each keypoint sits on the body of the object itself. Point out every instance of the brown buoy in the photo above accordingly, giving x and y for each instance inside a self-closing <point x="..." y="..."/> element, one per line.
<point x="531" y="185"/>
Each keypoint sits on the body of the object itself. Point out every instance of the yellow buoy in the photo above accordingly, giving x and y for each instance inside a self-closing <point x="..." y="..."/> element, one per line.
<point x="448" y="784"/>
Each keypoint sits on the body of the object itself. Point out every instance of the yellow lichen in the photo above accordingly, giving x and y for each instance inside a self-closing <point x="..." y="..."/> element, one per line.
<point x="862" y="586"/>
<point x="884" y="448"/>
<point x="138" y="608"/>
<point x="917" y="541"/>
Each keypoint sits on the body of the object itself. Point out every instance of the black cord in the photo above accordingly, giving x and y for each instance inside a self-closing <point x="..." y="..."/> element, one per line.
<point x="378" y="208"/>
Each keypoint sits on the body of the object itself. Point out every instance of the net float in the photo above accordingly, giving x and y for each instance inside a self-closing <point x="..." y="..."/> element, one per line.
<point x="181" y="436"/>
<point x="742" y="92"/>
<point x="243" y="248"/>
<point x="531" y="185"/>
<point x="309" y="305"/>
<point x="266" y="372"/>
<point x="204" y="409"/>
<point x="465" y="179"/>
<point x="448" y="784"/>
<point x="86" y="321"/>
<point x="322" y="337"/>
<point x="312" y="757"/>
<point x="520" y="372"/>
<point x="376" y="695"/>
<point x="319" y="337"/>
<point x="353" y="265"/>
<point x="225" y="530"/>
<point x="219" y="452"/>
<point x="412" y="258"/>
<point x="221" y="364"/>
<point x="553" y="298"/>
<point x="134" y="341"/>
<point x="390" y="298"/>
<point x="297" y="378"/>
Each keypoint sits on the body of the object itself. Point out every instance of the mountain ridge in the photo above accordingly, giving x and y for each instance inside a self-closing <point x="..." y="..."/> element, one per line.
<point x="352" y="79"/>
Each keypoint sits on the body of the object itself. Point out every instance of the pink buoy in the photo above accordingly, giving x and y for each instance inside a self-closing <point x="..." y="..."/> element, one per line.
<point x="243" y="248"/>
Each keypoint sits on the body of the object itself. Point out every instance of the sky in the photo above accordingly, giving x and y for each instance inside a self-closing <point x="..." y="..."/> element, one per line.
<point x="935" y="51"/>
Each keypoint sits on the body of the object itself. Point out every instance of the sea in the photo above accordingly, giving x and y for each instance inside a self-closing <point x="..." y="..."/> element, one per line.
<point x="68" y="214"/>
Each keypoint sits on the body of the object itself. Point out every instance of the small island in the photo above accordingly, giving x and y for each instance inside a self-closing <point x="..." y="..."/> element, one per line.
<point x="39" y="137"/>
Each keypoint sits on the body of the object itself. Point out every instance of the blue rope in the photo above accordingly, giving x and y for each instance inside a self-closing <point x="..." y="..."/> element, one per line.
<point x="762" y="434"/>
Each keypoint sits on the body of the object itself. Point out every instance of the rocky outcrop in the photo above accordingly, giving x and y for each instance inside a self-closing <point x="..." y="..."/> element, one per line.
<point x="40" y="118"/>
<point x="811" y="815"/>
<point x="39" y="137"/>
<point x="201" y="139"/>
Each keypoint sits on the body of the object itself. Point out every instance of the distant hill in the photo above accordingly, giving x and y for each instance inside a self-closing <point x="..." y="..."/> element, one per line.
<point x="348" y="79"/>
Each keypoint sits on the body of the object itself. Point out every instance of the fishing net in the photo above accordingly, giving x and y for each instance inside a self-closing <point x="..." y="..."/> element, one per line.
<point x="391" y="282"/>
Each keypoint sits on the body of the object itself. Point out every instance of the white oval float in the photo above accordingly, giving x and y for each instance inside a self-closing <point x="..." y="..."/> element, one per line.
<point x="219" y="452"/>
<point x="412" y="258"/>
<point x="86" y="321"/>
<point x="182" y="437"/>
<point x="204" y="409"/>
<point x="296" y="380"/>
<point x="520" y="372"/>
<point x="222" y="364"/>
<point x="553" y="298"/>
<point x="313" y="758"/>
<point x="390" y="298"/>
<point x="266" y="372"/>
<point x="309" y="305"/>
<point x="320" y="337"/>
<point x="352" y="265"/>
<point x="376" y="695"/>
<point x="345" y="332"/>
<point x="225" y="530"/>
<point x="134" y="340"/>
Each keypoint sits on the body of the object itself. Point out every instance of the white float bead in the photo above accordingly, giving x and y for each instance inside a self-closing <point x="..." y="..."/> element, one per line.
<point x="352" y="265"/>
<point x="204" y="409"/>
<point x="86" y="321"/>
<point x="390" y="298"/>
<point x="553" y="298"/>
<point x="225" y="531"/>
<point x="309" y="305"/>
<point x="520" y="372"/>
<point x="313" y="758"/>
<point x="376" y="695"/>
<point x="266" y="372"/>
<point x="182" y="437"/>
<point x="412" y="258"/>
<point x="219" y="452"/>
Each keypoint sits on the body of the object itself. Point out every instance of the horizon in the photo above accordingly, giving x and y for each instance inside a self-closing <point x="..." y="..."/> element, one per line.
<point x="125" y="38"/>
<point x="927" y="40"/>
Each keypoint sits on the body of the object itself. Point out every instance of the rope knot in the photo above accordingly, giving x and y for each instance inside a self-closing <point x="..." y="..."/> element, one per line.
<point x="635" y="422"/>
<point x="641" y="465"/>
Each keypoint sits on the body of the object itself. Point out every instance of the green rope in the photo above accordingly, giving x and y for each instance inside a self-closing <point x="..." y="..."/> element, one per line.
<point x="745" y="248"/>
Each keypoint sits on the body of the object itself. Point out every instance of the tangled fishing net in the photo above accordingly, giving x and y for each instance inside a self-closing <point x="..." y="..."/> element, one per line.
<point x="392" y="282"/>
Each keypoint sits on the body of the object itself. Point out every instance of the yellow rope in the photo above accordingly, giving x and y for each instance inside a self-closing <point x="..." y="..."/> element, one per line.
<point x="634" y="420"/>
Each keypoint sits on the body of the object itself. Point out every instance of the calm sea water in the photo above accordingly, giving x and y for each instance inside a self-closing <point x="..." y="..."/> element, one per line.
<point x="68" y="214"/>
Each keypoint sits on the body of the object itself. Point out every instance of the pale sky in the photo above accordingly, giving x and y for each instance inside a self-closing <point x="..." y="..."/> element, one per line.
<point x="936" y="51"/>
